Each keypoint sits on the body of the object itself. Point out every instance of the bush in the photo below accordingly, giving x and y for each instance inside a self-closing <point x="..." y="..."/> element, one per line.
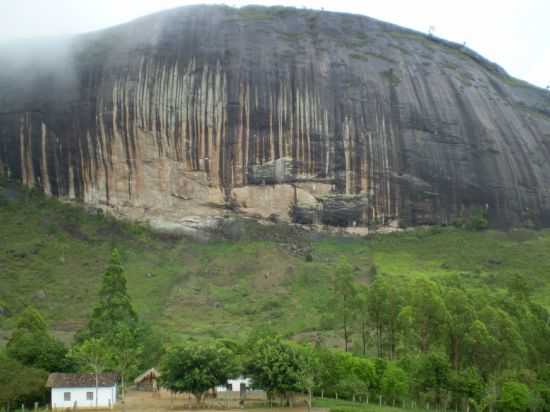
<point x="478" y="221"/>
<point x="21" y="384"/>
<point x="514" y="397"/>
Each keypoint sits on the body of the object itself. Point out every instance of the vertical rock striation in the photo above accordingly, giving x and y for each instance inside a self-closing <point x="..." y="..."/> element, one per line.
<point x="312" y="117"/>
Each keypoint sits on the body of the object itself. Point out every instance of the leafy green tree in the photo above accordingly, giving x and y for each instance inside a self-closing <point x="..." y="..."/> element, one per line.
<point x="32" y="345"/>
<point x="196" y="368"/>
<point x="479" y="343"/>
<point x="275" y="366"/>
<point x="380" y="366"/>
<point x="20" y="384"/>
<point x="461" y="314"/>
<point x="93" y="355"/>
<point x="514" y="397"/>
<point x="331" y="370"/>
<point x="40" y="351"/>
<point x="310" y="372"/>
<point x="520" y="287"/>
<point x="153" y="343"/>
<point x="394" y="304"/>
<point x="362" y="309"/>
<point x="31" y="320"/>
<point x="478" y="220"/>
<point x="384" y="306"/>
<point x="357" y="375"/>
<point x="535" y="330"/>
<point x="114" y="304"/>
<point x="395" y="383"/>
<point x="126" y="351"/>
<point x="508" y="346"/>
<point x="426" y="313"/>
<point x="432" y="374"/>
<point x="466" y="385"/>
<point x="344" y="300"/>
<point x="376" y="305"/>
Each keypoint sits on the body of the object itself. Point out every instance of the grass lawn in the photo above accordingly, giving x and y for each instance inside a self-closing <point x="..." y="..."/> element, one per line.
<point x="349" y="406"/>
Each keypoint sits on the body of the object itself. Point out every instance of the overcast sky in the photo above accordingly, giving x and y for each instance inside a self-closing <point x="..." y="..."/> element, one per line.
<point x="515" y="34"/>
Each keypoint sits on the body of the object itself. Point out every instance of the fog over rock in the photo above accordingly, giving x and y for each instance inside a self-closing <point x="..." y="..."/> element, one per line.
<point x="185" y="116"/>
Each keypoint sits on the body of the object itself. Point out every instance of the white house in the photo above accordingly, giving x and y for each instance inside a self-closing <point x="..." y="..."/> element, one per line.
<point x="78" y="390"/>
<point x="240" y="384"/>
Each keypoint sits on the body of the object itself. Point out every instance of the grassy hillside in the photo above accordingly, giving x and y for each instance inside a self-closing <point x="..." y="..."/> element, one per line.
<point x="52" y="255"/>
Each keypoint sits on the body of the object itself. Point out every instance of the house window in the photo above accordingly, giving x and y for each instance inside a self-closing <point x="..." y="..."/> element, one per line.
<point x="229" y="387"/>
<point x="67" y="396"/>
<point x="89" y="396"/>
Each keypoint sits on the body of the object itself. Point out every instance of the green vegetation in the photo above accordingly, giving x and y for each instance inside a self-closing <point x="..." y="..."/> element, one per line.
<point x="54" y="255"/>
<point x="196" y="368"/>
<point x="392" y="79"/>
<point x="342" y="405"/>
<point x="275" y="366"/>
<point x="291" y="37"/>
<point x="33" y="346"/>
<point x="20" y="384"/>
<point x="114" y="338"/>
<point x="114" y="307"/>
<point x="446" y="317"/>
<point x="359" y="56"/>
<point x="266" y="13"/>
<point x="514" y="82"/>
<point x="415" y="36"/>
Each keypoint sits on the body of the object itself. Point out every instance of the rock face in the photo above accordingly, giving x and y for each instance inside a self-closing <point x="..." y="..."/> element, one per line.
<point x="313" y="117"/>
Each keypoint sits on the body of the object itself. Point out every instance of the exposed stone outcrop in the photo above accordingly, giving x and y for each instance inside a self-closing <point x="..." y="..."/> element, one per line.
<point x="305" y="116"/>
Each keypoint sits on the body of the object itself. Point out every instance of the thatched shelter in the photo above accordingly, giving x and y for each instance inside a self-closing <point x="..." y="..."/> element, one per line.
<point x="147" y="381"/>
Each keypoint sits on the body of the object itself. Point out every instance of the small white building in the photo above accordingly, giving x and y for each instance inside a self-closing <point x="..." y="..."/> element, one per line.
<point x="70" y="390"/>
<point x="240" y="384"/>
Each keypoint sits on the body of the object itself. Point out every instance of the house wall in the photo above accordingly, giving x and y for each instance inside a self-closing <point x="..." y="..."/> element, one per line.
<point x="78" y="395"/>
<point x="236" y="383"/>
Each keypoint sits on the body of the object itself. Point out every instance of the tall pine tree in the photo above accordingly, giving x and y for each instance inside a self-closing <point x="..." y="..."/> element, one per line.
<point x="114" y="307"/>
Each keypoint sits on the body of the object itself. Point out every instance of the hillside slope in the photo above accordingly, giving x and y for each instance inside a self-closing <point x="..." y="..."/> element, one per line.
<point x="295" y="115"/>
<point x="52" y="255"/>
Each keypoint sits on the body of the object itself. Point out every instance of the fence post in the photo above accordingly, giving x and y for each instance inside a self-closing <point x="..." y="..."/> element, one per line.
<point x="367" y="398"/>
<point x="36" y="406"/>
<point x="380" y="400"/>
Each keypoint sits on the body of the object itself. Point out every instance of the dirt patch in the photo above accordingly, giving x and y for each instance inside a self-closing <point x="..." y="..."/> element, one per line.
<point x="165" y="401"/>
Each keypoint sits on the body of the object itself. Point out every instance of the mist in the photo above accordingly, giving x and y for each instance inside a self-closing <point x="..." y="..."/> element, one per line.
<point x="512" y="34"/>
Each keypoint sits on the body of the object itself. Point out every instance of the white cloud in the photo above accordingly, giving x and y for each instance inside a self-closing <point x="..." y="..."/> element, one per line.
<point x="513" y="34"/>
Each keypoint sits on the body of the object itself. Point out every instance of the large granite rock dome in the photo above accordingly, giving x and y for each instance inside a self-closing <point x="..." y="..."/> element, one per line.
<point x="305" y="116"/>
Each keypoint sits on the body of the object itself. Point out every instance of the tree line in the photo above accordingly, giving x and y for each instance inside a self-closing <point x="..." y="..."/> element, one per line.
<point x="477" y="341"/>
<point x="435" y="344"/>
